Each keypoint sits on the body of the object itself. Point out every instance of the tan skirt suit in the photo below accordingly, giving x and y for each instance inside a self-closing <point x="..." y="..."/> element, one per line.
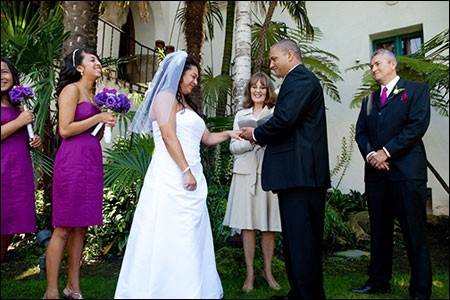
<point x="249" y="207"/>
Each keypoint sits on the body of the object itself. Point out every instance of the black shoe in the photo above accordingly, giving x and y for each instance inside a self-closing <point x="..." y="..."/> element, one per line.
<point x="368" y="289"/>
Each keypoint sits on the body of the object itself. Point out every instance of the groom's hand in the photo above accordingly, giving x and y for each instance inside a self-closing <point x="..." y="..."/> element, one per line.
<point x="247" y="134"/>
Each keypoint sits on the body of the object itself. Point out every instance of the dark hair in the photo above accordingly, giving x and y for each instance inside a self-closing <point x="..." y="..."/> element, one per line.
<point x="69" y="73"/>
<point x="14" y="73"/>
<point x="190" y="62"/>
<point x="271" y="96"/>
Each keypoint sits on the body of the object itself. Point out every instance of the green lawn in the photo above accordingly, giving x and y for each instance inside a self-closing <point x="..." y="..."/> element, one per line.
<point x="19" y="279"/>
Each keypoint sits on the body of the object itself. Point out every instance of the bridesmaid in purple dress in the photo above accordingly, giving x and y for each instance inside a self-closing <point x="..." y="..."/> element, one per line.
<point x="18" y="213"/>
<point x="78" y="169"/>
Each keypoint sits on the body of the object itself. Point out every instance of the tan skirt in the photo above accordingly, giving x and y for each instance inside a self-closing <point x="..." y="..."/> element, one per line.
<point x="255" y="212"/>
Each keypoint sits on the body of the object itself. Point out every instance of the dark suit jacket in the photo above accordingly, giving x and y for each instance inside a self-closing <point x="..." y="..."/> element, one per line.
<point x="296" y="136"/>
<point x="399" y="127"/>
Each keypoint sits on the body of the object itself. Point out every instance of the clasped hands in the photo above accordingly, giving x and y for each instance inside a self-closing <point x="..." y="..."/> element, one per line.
<point x="378" y="160"/>
<point x="247" y="134"/>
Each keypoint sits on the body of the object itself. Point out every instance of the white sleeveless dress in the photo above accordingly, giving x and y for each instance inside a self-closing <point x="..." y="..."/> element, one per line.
<point x="170" y="251"/>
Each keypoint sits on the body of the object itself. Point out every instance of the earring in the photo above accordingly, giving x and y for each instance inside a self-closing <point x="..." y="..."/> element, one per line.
<point x="82" y="73"/>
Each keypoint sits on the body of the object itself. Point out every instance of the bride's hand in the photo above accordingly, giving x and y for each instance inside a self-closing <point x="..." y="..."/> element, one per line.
<point x="189" y="182"/>
<point x="235" y="134"/>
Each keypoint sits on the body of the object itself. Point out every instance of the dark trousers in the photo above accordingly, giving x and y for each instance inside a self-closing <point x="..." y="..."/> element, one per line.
<point x="406" y="201"/>
<point x="302" y="216"/>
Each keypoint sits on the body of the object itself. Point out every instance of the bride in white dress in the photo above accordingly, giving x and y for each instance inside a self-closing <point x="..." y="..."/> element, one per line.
<point x="170" y="251"/>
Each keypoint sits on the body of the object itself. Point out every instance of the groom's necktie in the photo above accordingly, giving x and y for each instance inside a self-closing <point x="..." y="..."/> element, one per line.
<point x="384" y="96"/>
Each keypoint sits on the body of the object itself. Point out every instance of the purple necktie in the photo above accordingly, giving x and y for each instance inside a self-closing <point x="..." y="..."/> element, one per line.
<point x="384" y="96"/>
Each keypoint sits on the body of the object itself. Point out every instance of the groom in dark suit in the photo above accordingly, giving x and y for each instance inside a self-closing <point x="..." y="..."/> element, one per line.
<point x="389" y="134"/>
<point x="296" y="167"/>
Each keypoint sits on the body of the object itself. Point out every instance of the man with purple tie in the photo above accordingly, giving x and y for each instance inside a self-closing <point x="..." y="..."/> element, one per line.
<point x="389" y="134"/>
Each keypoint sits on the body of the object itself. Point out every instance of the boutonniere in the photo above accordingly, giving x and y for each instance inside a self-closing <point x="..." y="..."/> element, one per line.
<point x="397" y="90"/>
<point x="404" y="95"/>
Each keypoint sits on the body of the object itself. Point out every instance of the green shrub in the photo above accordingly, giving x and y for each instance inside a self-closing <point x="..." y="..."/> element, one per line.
<point x="118" y="212"/>
<point x="337" y="233"/>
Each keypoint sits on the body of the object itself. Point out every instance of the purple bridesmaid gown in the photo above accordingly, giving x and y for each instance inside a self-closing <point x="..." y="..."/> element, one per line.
<point x="18" y="213"/>
<point x="78" y="177"/>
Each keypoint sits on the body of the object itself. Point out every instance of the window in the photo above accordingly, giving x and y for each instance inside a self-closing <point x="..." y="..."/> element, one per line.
<point x="401" y="44"/>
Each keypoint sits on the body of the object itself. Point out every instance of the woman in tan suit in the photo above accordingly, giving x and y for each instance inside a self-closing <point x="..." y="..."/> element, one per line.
<point x="249" y="207"/>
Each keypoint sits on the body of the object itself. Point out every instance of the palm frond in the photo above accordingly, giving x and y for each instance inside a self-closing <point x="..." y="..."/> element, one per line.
<point x="214" y="87"/>
<point x="213" y="13"/>
<point x="42" y="162"/>
<point x="34" y="45"/>
<point x="127" y="162"/>
<point x="322" y="63"/>
<point x="297" y="10"/>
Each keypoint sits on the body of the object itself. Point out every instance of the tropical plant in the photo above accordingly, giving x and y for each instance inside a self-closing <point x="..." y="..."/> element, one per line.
<point x="344" y="158"/>
<point x="126" y="162"/>
<point x="430" y="64"/>
<point x="214" y="89"/>
<point x="297" y="10"/>
<point x="34" y="48"/>
<point x="322" y="63"/>
<point x="226" y="58"/>
<point x="336" y="232"/>
<point x="118" y="212"/>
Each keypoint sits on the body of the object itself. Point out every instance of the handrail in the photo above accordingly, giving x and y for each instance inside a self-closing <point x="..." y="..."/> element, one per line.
<point x="438" y="176"/>
<point x="136" y="69"/>
<point x="128" y="36"/>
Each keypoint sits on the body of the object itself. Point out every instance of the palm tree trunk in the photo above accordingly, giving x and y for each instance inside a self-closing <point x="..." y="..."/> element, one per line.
<point x="81" y="19"/>
<point x="262" y="37"/>
<point x="226" y="60"/>
<point x="242" y="52"/>
<point x="194" y="32"/>
<point x="44" y="9"/>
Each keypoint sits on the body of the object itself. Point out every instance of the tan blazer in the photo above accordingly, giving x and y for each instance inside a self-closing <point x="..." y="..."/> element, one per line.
<point x="247" y="157"/>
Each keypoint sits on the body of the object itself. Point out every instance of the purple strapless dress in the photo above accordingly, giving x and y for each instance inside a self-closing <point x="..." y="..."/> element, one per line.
<point x="78" y="177"/>
<point x="18" y="212"/>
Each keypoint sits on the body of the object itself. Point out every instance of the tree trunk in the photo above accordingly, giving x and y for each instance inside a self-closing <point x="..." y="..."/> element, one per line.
<point x="81" y="19"/>
<point x="259" y="62"/>
<point x="194" y="32"/>
<point x="226" y="60"/>
<point x="44" y="9"/>
<point x="242" y="52"/>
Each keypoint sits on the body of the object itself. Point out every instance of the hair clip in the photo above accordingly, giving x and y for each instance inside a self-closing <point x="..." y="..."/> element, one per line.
<point x="73" y="56"/>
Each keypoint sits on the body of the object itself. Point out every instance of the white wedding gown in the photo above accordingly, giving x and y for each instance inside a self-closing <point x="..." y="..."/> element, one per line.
<point x="170" y="251"/>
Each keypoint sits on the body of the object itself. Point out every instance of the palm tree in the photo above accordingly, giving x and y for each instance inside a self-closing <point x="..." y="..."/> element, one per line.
<point x="226" y="59"/>
<point x="194" y="32"/>
<point x="81" y="20"/>
<point x="242" y="52"/>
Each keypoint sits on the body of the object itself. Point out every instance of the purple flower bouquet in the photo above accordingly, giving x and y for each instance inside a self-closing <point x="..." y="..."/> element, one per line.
<point x="108" y="99"/>
<point x="20" y="95"/>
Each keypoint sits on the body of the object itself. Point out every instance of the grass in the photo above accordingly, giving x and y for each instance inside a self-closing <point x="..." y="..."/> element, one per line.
<point x="20" y="277"/>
